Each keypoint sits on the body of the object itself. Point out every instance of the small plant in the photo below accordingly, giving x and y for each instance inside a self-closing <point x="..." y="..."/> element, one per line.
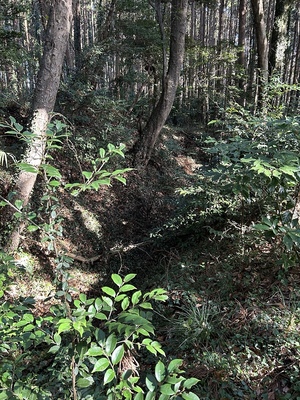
<point x="92" y="347"/>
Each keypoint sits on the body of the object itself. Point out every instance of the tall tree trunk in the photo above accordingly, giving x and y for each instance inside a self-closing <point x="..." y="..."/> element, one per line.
<point x="278" y="40"/>
<point x="262" y="47"/>
<point x="162" y="110"/>
<point x="56" y="39"/>
<point x="241" y="62"/>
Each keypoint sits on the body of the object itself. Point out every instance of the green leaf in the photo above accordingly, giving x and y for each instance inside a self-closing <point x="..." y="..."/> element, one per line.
<point x="139" y="396"/>
<point x="57" y="338"/>
<point x="136" y="297"/>
<point x="109" y="376"/>
<point x="261" y="227"/>
<point x="28" y="328"/>
<point x="190" y="396"/>
<point x="117" y="279"/>
<point x="127" y="288"/>
<point x="87" y="174"/>
<point x="64" y="327"/>
<point x="51" y="171"/>
<point x="28" y="168"/>
<point x="121" y="179"/>
<point x="160" y="371"/>
<point x="110" y="343"/>
<point x="19" y="204"/>
<point x="146" y="305"/>
<point x="174" y="364"/>
<point x="151" y="382"/>
<point x="167" y="389"/>
<point x="108" y="301"/>
<point x="117" y="354"/>
<point x="95" y="351"/>
<point x="129" y="277"/>
<point x="151" y="349"/>
<point x="54" y="349"/>
<point x="32" y="228"/>
<point x="109" y="291"/>
<point x="190" y="383"/>
<point x="164" y="397"/>
<point x="120" y="297"/>
<point x="125" y="303"/>
<point x="101" y="365"/>
<point x="101" y="153"/>
<point x="101" y="316"/>
<point x="150" y="396"/>
<point x="85" y="382"/>
<point x="54" y="183"/>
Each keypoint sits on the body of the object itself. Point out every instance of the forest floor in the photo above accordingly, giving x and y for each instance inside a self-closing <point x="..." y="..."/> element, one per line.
<point x="233" y="314"/>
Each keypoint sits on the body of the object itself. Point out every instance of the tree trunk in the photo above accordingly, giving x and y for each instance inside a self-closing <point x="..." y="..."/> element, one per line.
<point x="162" y="110"/>
<point x="56" y="39"/>
<point x="279" y="38"/>
<point x="241" y="62"/>
<point x="262" y="47"/>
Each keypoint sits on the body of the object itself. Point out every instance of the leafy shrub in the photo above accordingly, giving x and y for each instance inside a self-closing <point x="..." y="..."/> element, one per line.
<point x="89" y="348"/>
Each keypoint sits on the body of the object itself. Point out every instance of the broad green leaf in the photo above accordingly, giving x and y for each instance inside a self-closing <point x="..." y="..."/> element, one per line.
<point x="120" y="297"/>
<point x="136" y="297"/>
<point x="109" y="376"/>
<point x="87" y="174"/>
<point x="98" y="304"/>
<point x="150" y="396"/>
<point x="54" y="349"/>
<point x="19" y="204"/>
<point x="139" y="396"/>
<point x="160" y="371"/>
<point x="32" y="228"/>
<point x="127" y="288"/>
<point x="164" y="397"/>
<point x="109" y="291"/>
<point x="190" y="396"/>
<point x="129" y="277"/>
<point x="127" y="374"/>
<point x="174" y="365"/>
<point x="157" y="347"/>
<point x="110" y="343"/>
<point x="125" y="303"/>
<point x="121" y="179"/>
<point x="117" y="279"/>
<point x="146" y="306"/>
<point x="151" y="349"/>
<point x="151" y="382"/>
<point x="57" y="338"/>
<point x="64" y="327"/>
<point x="108" y="301"/>
<point x="54" y="183"/>
<point x="261" y="227"/>
<point x="142" y="331"/>
<point x="167" y="389"/>
<point x="51" y="171"/>
<point x="85" y="382"/>
<point x="28" y="168"/>
<point x="101" y="316"/>
<point x="190" y="383"/>
<point x="28" y="328"/>
<point x="95" y="351"/>
<point x="101" y="153"/>
<point x="101" y="365"/>
<point x="117" y="354"/>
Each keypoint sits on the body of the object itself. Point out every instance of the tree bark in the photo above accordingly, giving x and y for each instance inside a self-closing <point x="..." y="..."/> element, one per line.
<point x="56" y="39"/>
<point x="262" y="47"/>
<point x="162" y="110"/>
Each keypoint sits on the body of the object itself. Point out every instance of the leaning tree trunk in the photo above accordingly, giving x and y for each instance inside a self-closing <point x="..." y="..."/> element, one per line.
<point x="56" y="39"/>
<point x="162" y="110"/>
